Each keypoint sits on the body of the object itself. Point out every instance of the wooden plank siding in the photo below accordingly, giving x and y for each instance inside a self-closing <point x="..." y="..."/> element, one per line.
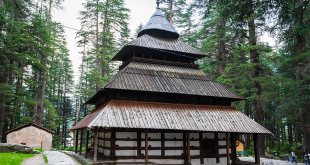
<point x="163" y="150"/>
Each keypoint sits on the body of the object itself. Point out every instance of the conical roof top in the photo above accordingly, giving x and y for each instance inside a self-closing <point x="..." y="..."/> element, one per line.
<point x="159" y="25"/>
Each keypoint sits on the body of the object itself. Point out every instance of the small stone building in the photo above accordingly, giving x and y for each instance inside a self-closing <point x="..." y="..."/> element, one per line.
<point x="31" y="135"/>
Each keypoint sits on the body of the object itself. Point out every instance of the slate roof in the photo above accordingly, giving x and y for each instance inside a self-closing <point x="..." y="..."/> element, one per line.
<point x="30" y="124"/>
<point x="139" y="76"/>
<point x="160" y="24"/>
<point x="150" y="115"/>
<point x="160" y="43"/>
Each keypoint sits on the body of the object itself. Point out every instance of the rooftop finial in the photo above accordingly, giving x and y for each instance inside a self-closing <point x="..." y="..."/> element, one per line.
<point x="157" y="4"/>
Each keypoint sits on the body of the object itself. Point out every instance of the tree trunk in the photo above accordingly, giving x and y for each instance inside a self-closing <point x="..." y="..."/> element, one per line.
<point x="18" y="85"/>
<point x="6" y="111"/>
<point x="290" y="134"/>
<point x="306" y="126"/>
<point x="80" y="93"/>
<point x="44" y="72"/>
<point x="221" y="55"/>
<point x="97" y="47"/>
<point x="278" y="132"/>
<point x="257" y="103"/>
<point x="171" y="11"/>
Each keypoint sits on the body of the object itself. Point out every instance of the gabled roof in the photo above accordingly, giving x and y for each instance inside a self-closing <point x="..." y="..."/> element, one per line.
<point x="148" y="77"/>
<point x="159" y="24"/>
<point x="150" y="115"/>
<point x="30" y="124"/>
<point x="160" y="43"/>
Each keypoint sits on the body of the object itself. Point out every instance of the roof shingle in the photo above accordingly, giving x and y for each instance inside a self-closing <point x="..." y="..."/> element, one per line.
<point x="150" y="115"/>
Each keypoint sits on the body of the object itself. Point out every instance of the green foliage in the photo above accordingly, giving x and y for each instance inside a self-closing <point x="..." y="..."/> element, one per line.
<point x="39" y="149"/>
<point x="70" y="148"/>
<point x="13" y="159"/>
<point x="45" y="159"/>
<point x="249" y="151"/>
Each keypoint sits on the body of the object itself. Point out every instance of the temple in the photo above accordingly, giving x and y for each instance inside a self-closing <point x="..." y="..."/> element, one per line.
<point x="160" y="108"/>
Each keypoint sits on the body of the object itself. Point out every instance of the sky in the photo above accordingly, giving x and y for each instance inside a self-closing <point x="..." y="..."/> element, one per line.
<point x="141" y="12"/>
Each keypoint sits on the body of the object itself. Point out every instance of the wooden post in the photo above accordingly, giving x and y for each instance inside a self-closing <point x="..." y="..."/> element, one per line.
<point x="188" y="147"/>
<point x="162" y="134"/>
<point x="139" y="143"/>
<point x="233" y="148"/>
<point x="86" y="143"/>
<point x="95" y="144"/>
<point x="81" y="141"/>
<point x="146" y="146"/>
<point x="227" y="148"/>
<point x="112" y="148"/>
<point x="104" y="130"/>
<point x="256" y="149"/>
<point x="184" y="147"/>
<point x="76" y="140"/>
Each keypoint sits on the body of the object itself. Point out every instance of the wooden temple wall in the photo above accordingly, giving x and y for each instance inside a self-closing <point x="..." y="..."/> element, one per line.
<point x="165" y="146"/>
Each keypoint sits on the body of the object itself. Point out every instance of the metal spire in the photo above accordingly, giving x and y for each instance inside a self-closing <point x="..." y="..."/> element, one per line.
<point x="157" y="4"/>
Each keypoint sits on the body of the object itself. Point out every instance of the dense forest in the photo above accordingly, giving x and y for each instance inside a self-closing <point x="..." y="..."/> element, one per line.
<point x="37" y="83"/>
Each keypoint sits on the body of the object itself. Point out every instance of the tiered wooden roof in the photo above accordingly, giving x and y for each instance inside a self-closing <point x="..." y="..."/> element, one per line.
<point x="138" y="76"/>
<point x="159" y="43"/>
<point x="159" y="24"/>
<point x="132" y="114"/>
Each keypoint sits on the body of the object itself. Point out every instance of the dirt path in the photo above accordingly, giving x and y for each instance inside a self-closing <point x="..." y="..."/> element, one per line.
<point x="37" y="159"/>
<point x="58" y="158"/>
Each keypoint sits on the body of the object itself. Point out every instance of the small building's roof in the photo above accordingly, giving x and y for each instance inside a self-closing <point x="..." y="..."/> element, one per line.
<point x="148" y="77"/>
<point x="30" y="124"/>
<point x="159" y="24"/>
<point x="160" y="43"/>
<point x="151" y="115"/>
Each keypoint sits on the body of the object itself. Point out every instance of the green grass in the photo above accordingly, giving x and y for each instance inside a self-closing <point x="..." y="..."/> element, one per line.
<point x="13" y="159"/>
<point x="45" y="159"/>
<point x="39" y="149"/>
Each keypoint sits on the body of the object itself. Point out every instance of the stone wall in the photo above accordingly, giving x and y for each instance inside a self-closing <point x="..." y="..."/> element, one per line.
<point x="32" y="136"/>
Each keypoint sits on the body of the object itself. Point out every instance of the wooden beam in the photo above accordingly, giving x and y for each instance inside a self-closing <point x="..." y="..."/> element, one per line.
<point x="95" y="144"/>
<point x="227" y="148"/>
<point x="76" y="140"/>
<point x="112" y="150"/>
<point x="146" y="146"/>
<point x="200" y="148"/>
<point x="81" y="141"/>
<point x="162" y="140"/>
<point x="216" y="137"/>
<point x="104" y="131"/>
<point x="256" y="149"/>
<point x="138" y="143"/>
<point x="188" y="148"/>
<point x="86" y="143"/>
<point x="184" y="147"/>
<point x="233" y="148"/>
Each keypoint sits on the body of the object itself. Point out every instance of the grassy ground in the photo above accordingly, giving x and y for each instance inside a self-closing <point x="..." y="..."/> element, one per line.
<point x="39" y="149"/>
<point x="13" y="159"/>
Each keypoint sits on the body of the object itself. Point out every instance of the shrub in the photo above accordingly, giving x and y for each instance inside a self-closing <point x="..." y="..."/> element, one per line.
<point x="70" y="148"/>
<point x="249" y="151"/>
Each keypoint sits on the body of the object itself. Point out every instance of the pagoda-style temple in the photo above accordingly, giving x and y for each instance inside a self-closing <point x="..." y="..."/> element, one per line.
<point x="160" y="108"/>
